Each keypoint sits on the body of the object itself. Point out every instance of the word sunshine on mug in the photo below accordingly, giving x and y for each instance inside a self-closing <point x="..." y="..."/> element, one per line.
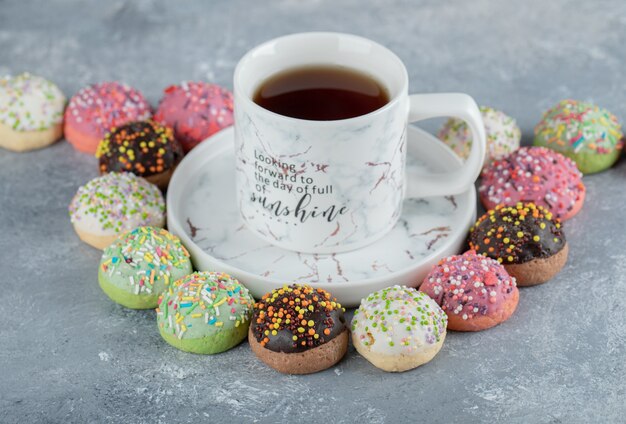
<point x="301" y="210"/>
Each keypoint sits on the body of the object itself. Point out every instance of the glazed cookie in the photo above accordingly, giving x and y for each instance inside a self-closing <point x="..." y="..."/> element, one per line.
<point x="525" y="238"/>
<point x="503" y="135"/>
<point x="31" y="112"/>
<point x="298" y="330"/>
<point x="140" y="265"/>
<point x="112" y="204"/>
<point x="398" y="328"/>
<point x="205" y="312"/>
<point x="590" y="135"/>
<point x="534" y="174"/>
<point x="96" y="109"/>
<point x="196" y="111"/>
<point x="476" y="292"/>
<point x="145" y="148"/>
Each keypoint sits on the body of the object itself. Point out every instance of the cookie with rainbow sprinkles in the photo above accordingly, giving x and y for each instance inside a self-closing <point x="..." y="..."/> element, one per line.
<point x="588" y="134"/>
<point x="204" y="312"/>
<point x="137" y="267"/>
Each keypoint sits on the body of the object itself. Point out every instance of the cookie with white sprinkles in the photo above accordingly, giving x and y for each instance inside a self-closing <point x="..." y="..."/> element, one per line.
<point x="31" y="112"/>
<point x="398" y="328"/>
<point x="503" y="135"/>
<point x="137" y="267"/>
<point x="112" y="204"/>
<point x="205" y="312"/>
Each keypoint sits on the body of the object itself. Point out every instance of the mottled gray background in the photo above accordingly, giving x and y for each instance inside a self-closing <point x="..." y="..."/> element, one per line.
<point x="68" y="354"/>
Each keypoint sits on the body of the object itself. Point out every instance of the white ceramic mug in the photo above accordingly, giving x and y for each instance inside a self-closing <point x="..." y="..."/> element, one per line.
<point x="333" y="186"/>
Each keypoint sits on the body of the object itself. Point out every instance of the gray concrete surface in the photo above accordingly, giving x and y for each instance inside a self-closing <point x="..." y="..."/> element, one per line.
<point x="67" y="354"/>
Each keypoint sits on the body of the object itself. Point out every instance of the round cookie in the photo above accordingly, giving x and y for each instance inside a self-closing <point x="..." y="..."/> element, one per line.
<point x="31" y="112"/>
<point x="398" y="328"/>
<point x="534" y="174"/>
<point x="195" y="111"/>
<point x="97" y="108"/>
<point x="205" y="312"/>
<point x="503" y="135"/>
<point x="298" y="330"/>
<point x="113" y="204"/>
<point x="137" y="267"/>
<point x="525" y="238"/>
<point x="584" y="132"/>
<point x="145" y="148"/>
<point x="475" y="292"/>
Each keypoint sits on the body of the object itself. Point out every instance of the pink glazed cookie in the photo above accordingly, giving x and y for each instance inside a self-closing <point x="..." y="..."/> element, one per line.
<point x="534" y="174"/>
<point x="475" y="291"/>
<point x="98" y="108"/>
<point x="195" y="111"/>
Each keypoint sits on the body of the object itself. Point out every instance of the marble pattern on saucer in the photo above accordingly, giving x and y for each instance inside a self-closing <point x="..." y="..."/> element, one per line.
<point x="202" y="210"/>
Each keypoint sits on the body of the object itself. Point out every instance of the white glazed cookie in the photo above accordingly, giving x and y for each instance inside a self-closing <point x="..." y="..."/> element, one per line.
<point x="113" y="204"/>
<point x="31" y="112"/>
<point x="398" y="328"/>
<point x="503" y="135"/>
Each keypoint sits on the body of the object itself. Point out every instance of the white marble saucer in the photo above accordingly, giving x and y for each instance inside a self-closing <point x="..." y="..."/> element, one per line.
<point x="202" y="211"/>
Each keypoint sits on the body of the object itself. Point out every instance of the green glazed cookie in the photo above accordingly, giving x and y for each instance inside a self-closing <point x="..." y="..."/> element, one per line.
<point x="589" y="135"/>
<point x="140" y="265"/>
<point x="205" y="312"/>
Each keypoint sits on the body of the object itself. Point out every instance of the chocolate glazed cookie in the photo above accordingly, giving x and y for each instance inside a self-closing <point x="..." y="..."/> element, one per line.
<point x="298" y="330"/>
<point x="145" y="148"/>
<point x="525" y="238"/>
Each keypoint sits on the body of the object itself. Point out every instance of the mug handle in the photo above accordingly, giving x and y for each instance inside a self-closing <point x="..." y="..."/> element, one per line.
<point x="458" y="105"/>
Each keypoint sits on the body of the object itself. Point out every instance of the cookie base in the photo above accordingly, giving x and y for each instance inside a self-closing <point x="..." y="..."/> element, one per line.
<point x="126" y="298"/>
<point x="208" y="345"/>
<point x="538" y="271"/>
<point x="483" y="322"/>
<point x="162" y="180"/>
<point x="94" y="240"/>
<point x="308" y="362"/>
<point x="401" y="362"/>
<point x="82" y="142"/>
<point x="23" y="141"/>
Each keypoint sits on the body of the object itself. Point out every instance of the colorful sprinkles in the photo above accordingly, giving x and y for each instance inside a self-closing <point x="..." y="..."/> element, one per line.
<point x="195" y="111"/>
<point x="203" y="303"/>
<point x="503" y="135"/>
<point x="296" y="318"/>
<point x="517" y="234"/>
<point x="469" y="285"/>
<point x="398" y="320"/>
<point x="579" y="127"/>
<point x="30" y="103"/>
<point x="145" y="260"/>
<point x="117" y="202"/>
<point x="143" y="147"/>
<point x="533" y="174"/>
